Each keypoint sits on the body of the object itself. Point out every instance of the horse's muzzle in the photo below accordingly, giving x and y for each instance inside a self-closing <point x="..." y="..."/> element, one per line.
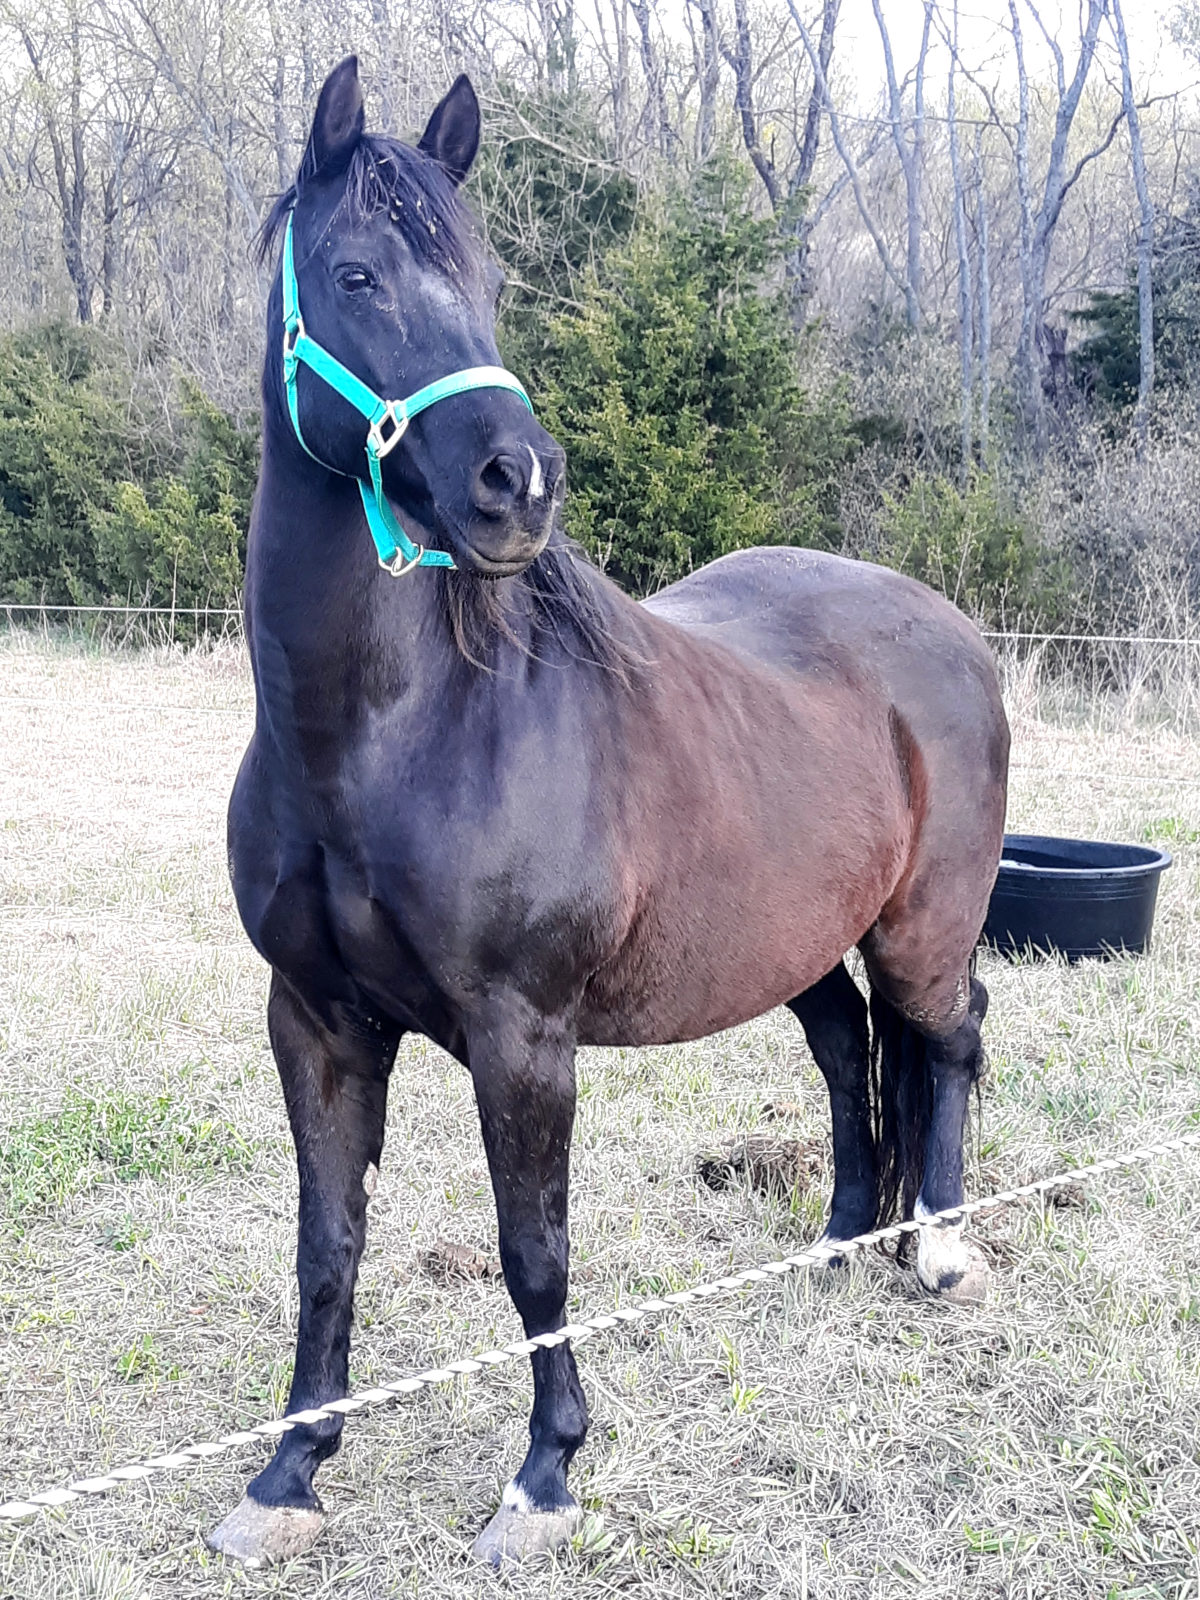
<point x="514" y="498"/>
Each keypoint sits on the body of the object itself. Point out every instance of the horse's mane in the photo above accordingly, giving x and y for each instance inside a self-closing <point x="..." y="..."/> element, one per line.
<point x="561" y="596"/>
<point x="563" y="600"/>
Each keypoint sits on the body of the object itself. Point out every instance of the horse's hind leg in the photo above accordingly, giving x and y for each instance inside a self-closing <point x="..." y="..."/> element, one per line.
<point x="929" y="1059"/>
<point x="334" y="1074"/>
<point x="523" y="1067"/>
<point x="947" y="1264"/>
<point x="833" y="1015"/>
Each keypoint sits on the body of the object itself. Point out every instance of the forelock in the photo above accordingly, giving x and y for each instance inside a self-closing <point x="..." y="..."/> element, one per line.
<point x="387" y="178"/>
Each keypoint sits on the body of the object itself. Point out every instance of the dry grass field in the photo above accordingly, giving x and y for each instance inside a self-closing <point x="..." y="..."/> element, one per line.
<point x="833" y="1437"/>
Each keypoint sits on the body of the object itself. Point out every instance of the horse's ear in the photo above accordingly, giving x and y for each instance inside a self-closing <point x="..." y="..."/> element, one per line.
<point x="452" y="137"/>
<point x="338" y="122"/>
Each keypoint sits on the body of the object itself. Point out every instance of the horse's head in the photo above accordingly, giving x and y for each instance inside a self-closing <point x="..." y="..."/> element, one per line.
<point x="392" y="283"/>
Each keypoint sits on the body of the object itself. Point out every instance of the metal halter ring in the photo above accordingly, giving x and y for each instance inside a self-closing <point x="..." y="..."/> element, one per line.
<point x="293" y="332"/>
<point x="399" y="564"/>
<point x="377" y="441"/>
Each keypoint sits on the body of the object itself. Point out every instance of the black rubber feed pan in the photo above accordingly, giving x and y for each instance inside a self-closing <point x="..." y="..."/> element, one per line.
<point x="1073" y="897"/>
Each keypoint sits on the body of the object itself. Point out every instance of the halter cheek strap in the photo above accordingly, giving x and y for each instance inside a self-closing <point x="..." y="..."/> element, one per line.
<point x="387" y="420"/>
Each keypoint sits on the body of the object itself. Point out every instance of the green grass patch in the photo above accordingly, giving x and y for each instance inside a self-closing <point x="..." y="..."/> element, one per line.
<point x="117" y="1138"/>
<point x="1170" y="830"/>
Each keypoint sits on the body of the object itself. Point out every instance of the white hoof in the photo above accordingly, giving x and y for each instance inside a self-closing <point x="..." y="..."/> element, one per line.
<point x="518" y="1532"/>
<point x="259" y="1535"/>
<point x="948" y="1265"/>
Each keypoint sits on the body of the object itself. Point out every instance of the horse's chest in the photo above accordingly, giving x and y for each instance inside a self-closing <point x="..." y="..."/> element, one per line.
<point x="418" y="916"/>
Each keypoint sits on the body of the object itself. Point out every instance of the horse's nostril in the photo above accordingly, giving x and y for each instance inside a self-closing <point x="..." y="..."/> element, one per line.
<point x="502" y="480"/>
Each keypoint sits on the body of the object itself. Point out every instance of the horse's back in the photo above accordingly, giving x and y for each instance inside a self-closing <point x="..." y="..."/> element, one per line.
<point x="825" y="618"/>
<point x="809" y="611"/>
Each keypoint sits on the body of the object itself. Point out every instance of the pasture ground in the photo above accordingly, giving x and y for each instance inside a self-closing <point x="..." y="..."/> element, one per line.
<point x="836" y="1436"/>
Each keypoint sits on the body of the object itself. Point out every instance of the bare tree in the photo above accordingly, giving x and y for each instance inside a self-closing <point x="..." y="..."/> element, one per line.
<point x="706" y="48"/>
<point x="983" y="257"/>
<point x="62" y="113"/>
<point x="662" y="136"/>
<point x="1037" y="226"/>
<point x="908" y="136"/>
<point x="852" y="169"/>
<point x="965" y="307"/>
<point x="614" y="52"/>
<point x="784" y="183"/>
<point x="1145" y="241"/>
<point x="739" y="53"/>
<point x="279" y="128"/>
<point x="812" y="115"/>
<point x="559" y="37"/>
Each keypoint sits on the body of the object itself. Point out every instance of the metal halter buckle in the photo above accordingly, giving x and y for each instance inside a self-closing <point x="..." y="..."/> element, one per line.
<point x="400" y="564"/>
<point x="293" y="332"/>
<point x="380" y="443"/>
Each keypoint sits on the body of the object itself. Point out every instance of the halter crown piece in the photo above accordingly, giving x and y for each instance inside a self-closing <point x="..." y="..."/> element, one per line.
<point x="387" y="420"/>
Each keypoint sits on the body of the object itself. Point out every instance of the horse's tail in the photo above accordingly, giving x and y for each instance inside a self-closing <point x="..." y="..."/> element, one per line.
<point x="902" y="1095"/>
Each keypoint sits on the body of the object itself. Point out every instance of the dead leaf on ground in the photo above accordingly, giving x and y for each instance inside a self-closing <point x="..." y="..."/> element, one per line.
<point x="775" y="1109"/>
<point x="775" y="1167"/>
<point x="446" y="1259"/>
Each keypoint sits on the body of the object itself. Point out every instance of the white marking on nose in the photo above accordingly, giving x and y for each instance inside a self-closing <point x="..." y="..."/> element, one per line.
<point x="537" y="483"/>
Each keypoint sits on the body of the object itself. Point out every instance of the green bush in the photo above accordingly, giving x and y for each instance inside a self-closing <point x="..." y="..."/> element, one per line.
<point x="973" y="546"/>
<point x="674" y="390"/>
<point x="183" y="538"/>
<point x="102" y="496"/>
<point x="1108" y="361"/>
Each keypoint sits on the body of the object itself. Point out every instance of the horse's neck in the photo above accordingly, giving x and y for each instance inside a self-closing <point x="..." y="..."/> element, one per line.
<point x="326" y="627"/>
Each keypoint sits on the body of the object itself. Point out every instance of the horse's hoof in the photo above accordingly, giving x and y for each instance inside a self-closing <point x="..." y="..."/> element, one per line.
<point x="518" y="1532"/>
<point x="971" y="1289"/>
<point x="259" y="1535"/>
<point x="949" y="1266"/>
<point x="836" y="1233"/>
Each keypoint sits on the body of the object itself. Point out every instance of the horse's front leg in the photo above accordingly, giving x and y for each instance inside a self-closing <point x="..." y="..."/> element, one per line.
<point x="334" y="1070"/>
<point x="523" y="1067"/>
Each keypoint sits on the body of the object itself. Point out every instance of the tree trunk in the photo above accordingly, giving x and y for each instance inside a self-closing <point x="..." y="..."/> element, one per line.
<point x="279" y="128"/>
<point x="70" y="167"/>
<point x="910" y="150"/>
<point x="985" y="303"/>
<point x="965" y="311"/>
<point x="661" y="136"/>
<point x="796" y="260"/>
<point x="709" y="71"/>
<point x="1037" y="229"/>
<point x="740" y="58"/>
<point x="1145" y="242"/>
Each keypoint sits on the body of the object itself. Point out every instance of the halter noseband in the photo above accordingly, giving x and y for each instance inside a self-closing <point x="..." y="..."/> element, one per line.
<point x="387" y="420"/>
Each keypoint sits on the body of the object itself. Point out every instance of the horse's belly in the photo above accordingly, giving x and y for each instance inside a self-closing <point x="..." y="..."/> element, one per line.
<point x="697" y="964"/>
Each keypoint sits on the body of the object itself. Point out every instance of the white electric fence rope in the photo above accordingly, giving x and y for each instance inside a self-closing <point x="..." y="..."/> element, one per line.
<point x="388" y="1393"/>
<point x="132" y="612"/>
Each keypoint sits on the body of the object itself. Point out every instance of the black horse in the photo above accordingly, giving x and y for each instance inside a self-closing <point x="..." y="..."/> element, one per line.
<point x="507" y="807"/>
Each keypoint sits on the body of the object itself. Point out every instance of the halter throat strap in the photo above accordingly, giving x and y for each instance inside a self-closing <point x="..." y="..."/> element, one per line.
<point x="387" y="420"/>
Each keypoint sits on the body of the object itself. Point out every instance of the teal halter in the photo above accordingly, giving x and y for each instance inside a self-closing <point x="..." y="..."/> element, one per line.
<point x="387" y="420"/>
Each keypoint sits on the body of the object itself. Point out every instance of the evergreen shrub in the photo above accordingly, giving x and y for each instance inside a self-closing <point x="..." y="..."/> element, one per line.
<point x="675" y="390"/>
<point x="104" y="495"/>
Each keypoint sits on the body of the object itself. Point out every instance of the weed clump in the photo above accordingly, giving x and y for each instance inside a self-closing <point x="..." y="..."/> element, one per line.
<point x="118" y="1138"/>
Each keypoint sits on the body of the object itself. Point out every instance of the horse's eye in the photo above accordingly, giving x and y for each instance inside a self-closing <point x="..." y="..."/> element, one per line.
<point x="354" y="280"/>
